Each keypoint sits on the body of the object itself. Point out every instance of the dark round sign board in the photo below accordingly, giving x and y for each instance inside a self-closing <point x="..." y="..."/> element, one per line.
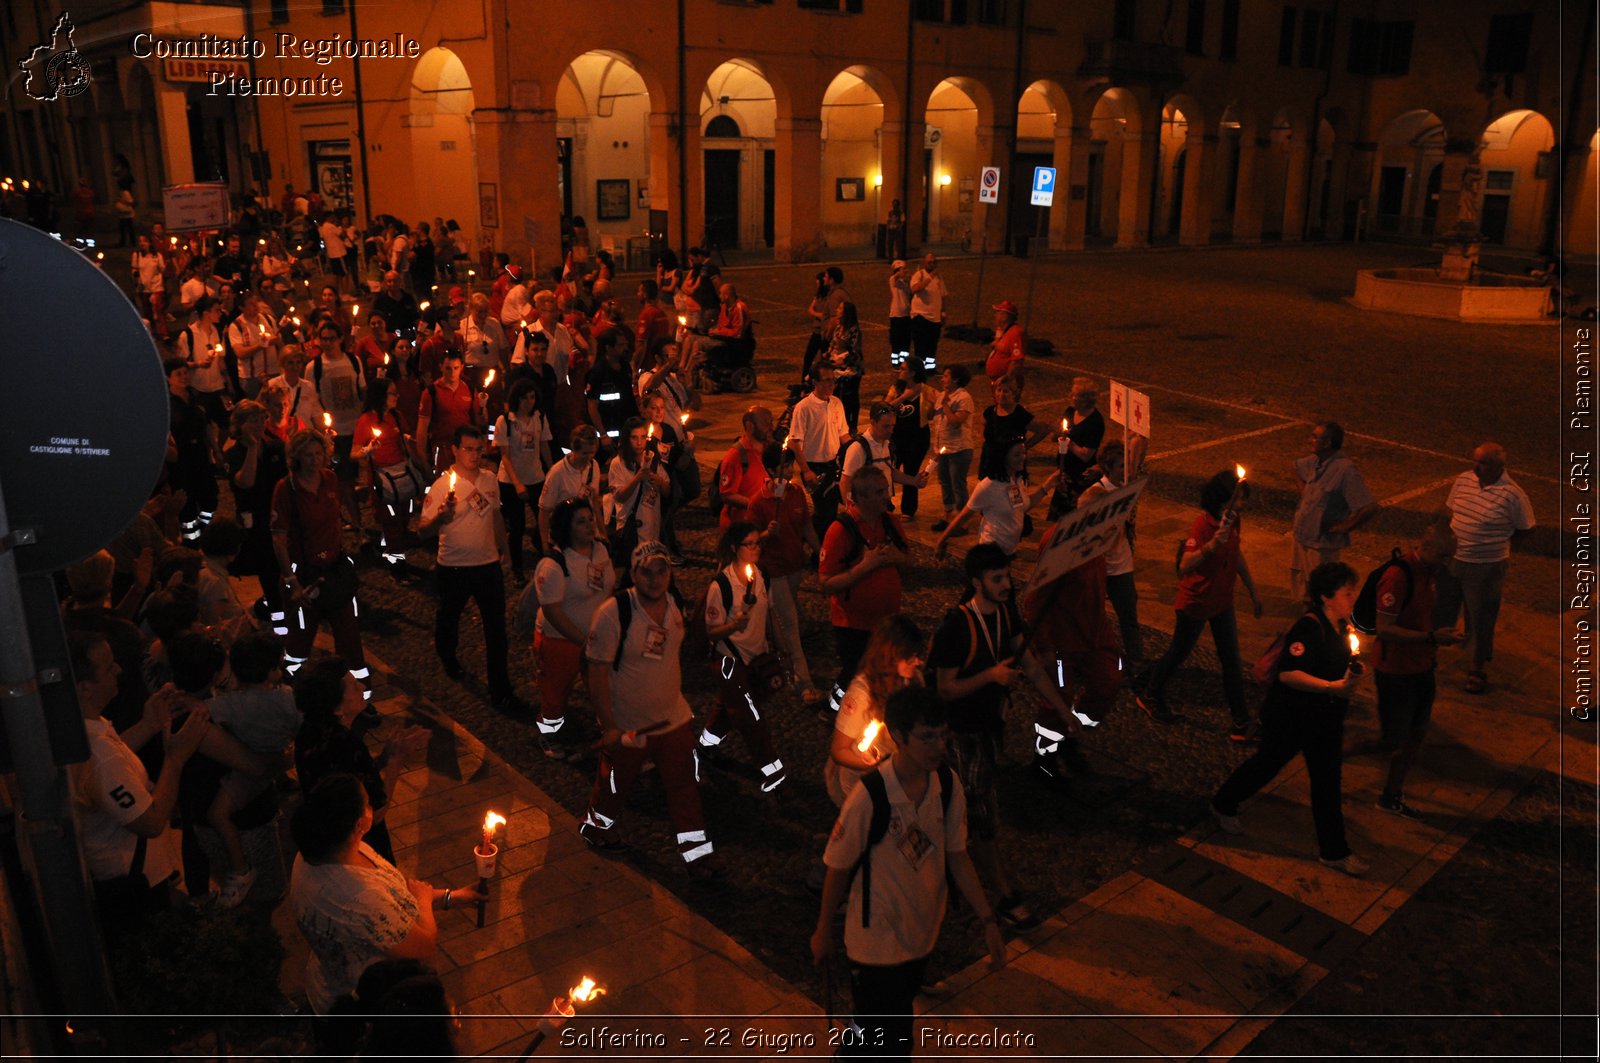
<point x="84" y="404"/>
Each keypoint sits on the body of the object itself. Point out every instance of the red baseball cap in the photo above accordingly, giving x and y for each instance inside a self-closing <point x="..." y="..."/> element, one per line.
<point x="1006" y="305"/>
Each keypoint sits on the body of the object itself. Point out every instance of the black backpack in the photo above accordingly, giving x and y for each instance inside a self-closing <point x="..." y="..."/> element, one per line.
<point x="624" y="600"/>
<point x="1364" y="618"/>
<point x="873" y="783"/>
<point x="891" y="532"/>
<point x="837" y="472"/>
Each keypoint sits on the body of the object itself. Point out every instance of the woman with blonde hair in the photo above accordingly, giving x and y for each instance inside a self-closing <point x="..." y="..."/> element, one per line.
<point x="891" y="662"/>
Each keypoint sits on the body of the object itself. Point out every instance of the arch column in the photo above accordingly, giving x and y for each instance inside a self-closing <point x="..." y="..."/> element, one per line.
<point x="1294" y="190"/>
<point x="1247" y="205"/>
<point x="1068" y="218"/>
<point x="1139" y="157"/>
<point x="172" y="117"/>
<point x="797" y="167"/>
<point x="891" y="145"/>
<point x="915" y="194"/>
<point x="511" y="145"/>
<point x="1200" y="163"/>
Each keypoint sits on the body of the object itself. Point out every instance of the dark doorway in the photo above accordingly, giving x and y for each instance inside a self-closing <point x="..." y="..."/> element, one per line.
<point x="927" y="188"/>
<point x="564" y="177"/>
<point x="722" y="198"/>
<point x="1391" y="197"/>
<point x="1024" y="216"/>
<point x="1175" y="212"/>
<point x="1430" y="202"/>
<point x="769" y="185"/>
<point x="1093" y="200"/>
<point x="1494" y="217"/>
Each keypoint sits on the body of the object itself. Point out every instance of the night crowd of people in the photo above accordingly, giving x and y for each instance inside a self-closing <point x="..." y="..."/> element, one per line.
<point x="521" y="443"/>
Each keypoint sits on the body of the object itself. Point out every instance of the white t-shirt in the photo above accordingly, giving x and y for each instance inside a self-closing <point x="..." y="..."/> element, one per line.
<point x="519" y="442"/>
<point x="121" y="794"/>
<point x="302" y="401"/>
<point x="338" y="391"/>
<point x="253" y="342"/>
<point x="206" y="344"/>
<point x="899" y="297"/>
<point x="908" y="887"/>
<point x="190" y="291"/>
<point x="562" y="482"/>
<point x="1119" y="559"/>
<point x="874" y="453"/>
<point x="591" y="582"/>
<point x="516" y="305"/>
<point x="561" y="348"/>
<point x="149" y="266"/>
<point x="951" y="438"/>
<point x="351" y="916"/>
<point x="332" y="238"/>
<point x="1002" y="505"/>
<point x="671" y="391"/>
<point x="647" y="686"/>
<point x="470" y="538"/>
<point x="1484" y="518"/>
<point x="855" y="712"/>
<point x="819" y="428"/>
<point x="752" y="641"/>
<point x="397" y="253"/>
<point x="648" y="509"/>
<point x="929" y="302"/>
<point x="263" y="718"/>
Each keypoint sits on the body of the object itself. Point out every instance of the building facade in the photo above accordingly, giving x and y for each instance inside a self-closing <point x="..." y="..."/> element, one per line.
<point x="795" y="124"/>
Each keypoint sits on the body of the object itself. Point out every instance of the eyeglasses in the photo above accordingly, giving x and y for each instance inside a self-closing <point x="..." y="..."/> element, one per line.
<point x="750" y="544"/>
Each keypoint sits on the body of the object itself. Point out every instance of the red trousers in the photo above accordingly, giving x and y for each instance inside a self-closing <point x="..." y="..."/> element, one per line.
<point x="675" y="759"/>
<point x="560" y="664"/>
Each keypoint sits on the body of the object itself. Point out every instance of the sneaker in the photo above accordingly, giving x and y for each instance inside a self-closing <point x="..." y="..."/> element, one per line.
<point x="601" y="841"/>
<point x="939" y="525"/>
<point x="1155" y="707"/>
<point x="234" y="888"/>
<point x="1249" y="731"/>
<point x="1014" y="915"/>
<point x="1229" y="824"/>
<point x="1395" y="806"/>
<point x="1350" y="864"/>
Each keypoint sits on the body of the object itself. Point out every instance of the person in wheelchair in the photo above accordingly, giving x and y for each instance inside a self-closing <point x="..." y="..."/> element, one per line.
<point x="722" y="359"/>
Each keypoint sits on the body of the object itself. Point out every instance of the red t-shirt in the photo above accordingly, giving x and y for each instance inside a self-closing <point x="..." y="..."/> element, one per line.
<point x="653" y="325"/>
<point x="784" y="551"/>
<point x="312" y="519"/>
<point x="1407" y="658"/>
<point x="390" y="449"/>
<point x="1070" y="615"/>
<point x="1208" y="589"/>
<point x="430" y="356"/>
<point x="454" y="410"/>
<point x="862" y="605"/>
<point x="740" y="476"/>
<point x="1008" y="351"/>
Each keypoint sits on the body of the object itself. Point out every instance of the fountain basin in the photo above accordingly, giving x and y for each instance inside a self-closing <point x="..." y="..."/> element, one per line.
<point x="1491" y="298"/>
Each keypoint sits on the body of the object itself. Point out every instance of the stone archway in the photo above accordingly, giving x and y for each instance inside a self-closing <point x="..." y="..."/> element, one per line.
<point x="739" y="173"/>
<point x="610" y="166"/>
<point x="1044" y="138"/>
<point x="852" y="186"/>
<point x="444" y="166"/>
<point x="957" y="115"/>
<point x="1410" y="149"/>
<point x="1518" y="176"/>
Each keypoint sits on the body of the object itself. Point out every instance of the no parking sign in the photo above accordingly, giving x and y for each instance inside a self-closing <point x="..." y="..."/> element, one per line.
<point x="989" y="185"/>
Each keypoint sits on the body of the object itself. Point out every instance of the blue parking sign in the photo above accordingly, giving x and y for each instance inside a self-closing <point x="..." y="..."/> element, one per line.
<point x="1044" y="186"/>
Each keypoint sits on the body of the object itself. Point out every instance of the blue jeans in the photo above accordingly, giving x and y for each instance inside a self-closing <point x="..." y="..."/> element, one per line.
<point x="1225" y="635"/>
<point x="953" y="469"/>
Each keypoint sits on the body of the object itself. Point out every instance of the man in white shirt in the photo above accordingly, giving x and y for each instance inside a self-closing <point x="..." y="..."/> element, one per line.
<point x="483" y="340"/>
<point x="636" y="685"/>
<point x="873" y="448"/>
<point x="200" y="344"/>
<point x="119" y="812"/>
<point x="817" y="429"/>
<point x="1487" y="512"/>
<point x="463" y="507"/>
<point x="254" y="339"/>
<point x="928" y="294"/>
<point x="517" y="307"/>
<point x="302" y="400"/>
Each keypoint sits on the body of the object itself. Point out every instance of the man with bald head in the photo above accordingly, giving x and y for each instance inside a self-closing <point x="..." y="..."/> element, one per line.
<point x="398" y="306"/>
<point x="1487" y="511"/>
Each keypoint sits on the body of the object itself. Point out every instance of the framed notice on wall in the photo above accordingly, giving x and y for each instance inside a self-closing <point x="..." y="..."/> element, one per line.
<point x="612" y="201"/>
<point x="849" y="189"/>
<point x="488" y="205"/>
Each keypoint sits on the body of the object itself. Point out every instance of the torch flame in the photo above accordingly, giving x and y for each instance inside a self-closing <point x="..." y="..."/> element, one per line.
<point x="377" y="432"/>
<point x="327" y="420"/>
<point x="385" y="359"/>
<point x="683" y="419"/>
<point x="488" y="378"/>
<point x="1063" y="424"/>
<point x="1238" y="470"/>
<point x="868" y="735"/>
<point x="1355" y="644"/>
<point x="453" y="491"/>
<point x="749" y="573"/>
<point x="682" y="320"/>
<point x="492" y="821"/>
<point x="586" y="991"/>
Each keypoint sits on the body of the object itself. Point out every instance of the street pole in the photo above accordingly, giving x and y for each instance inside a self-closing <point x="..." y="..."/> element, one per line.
<point x="44" y="798"/>
<point x="1034" y="250"/>
<point x="983" y="256"/>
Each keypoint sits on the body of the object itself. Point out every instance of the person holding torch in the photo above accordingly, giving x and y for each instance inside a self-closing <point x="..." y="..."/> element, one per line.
<point x="1210" y="564"/>
<point x="737" y="615"/>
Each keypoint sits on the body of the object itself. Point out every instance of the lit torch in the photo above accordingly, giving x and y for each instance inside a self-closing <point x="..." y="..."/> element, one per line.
<point x="749" y="585"/>
<point x="486" y="854"/>
<point x="450" y="499"/>
<point x="1356" y="665"/>
<point x="1063" y="444"/>
<point x="869" y="736"/>
<point x="563" y="1008"/>
<point x="327" y="423"/>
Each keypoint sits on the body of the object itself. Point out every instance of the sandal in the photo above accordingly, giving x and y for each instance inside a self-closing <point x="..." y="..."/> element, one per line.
<point x="1477" y="682"/>
<point x="1015" y="915"/>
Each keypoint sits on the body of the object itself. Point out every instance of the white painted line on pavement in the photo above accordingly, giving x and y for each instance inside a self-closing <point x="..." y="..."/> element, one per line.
<point x="1224" y="439"/>
<point x="1406" y="496"/>
<point x="1145" y="385"/>
<point x="1521" y="473"/>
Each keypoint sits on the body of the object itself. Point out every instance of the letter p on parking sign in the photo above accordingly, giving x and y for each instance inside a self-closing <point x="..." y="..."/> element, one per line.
<point x="1044" y="186"/>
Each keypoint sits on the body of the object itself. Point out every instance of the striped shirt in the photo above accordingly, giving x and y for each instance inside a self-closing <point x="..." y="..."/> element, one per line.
<point x="1484" y="518"/>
